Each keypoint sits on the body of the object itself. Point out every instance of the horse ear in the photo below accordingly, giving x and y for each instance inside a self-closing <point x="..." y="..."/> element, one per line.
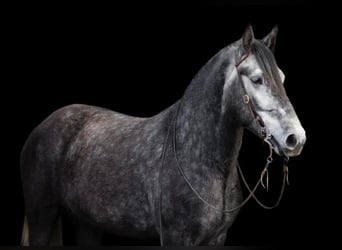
<point x="270" y="39"/>
<point x="248" y="38"/>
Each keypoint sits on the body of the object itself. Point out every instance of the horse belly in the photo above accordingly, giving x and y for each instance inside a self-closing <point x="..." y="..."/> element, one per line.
<point x="117" y="205"/>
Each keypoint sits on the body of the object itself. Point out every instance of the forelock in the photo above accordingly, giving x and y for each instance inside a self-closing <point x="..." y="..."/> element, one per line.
<point x="267" y="63"/>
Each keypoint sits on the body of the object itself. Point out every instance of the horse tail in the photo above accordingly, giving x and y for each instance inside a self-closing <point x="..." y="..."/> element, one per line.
<point x="56" y="239"/>
<point x="25" y="240"/>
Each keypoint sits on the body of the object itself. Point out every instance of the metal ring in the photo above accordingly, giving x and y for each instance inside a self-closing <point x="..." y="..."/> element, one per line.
<point x="269" y="159"/>
<point x="246" y="99"/>
<point x="263" y="132"/>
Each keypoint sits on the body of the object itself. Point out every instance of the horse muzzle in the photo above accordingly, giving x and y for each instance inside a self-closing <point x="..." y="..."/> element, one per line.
<point x="290" y="145"/>
<point x="294" y="144"/>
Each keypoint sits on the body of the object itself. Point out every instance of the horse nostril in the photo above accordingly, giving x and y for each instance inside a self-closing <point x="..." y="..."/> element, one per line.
<point x="291" y="141"/>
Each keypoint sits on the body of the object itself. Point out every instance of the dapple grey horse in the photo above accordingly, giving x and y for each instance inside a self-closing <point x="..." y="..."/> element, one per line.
<point x="171" y="176"/>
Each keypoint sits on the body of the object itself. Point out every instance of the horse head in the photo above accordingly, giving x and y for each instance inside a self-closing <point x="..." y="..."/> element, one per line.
<point x="265" y="108"/>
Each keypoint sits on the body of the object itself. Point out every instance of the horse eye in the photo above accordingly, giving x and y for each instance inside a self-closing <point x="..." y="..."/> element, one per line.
<point x="257" y="80"/>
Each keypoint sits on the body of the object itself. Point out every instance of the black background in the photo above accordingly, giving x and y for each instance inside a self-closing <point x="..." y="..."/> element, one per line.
<point x="139" y="58"/>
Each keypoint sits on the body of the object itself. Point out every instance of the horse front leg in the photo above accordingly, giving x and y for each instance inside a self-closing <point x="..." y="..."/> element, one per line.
<point x="175" y="237"/>
<point x="86" y="234"/>
<point x="218" y="240"/>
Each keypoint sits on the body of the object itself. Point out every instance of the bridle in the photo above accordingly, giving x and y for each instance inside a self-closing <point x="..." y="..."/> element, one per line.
<point x="266" y="136"/>
<point x="248" y="102"/>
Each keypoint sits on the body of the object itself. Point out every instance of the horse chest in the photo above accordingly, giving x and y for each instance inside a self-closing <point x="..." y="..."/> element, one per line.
<point x="198" y="223"/>
<point x="215" y="221"/>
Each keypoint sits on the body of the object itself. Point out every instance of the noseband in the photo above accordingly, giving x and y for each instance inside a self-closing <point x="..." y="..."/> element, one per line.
<point x="266" y="138"/>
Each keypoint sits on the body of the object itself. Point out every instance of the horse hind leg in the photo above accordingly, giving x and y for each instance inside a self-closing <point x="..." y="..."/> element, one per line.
<point x="56" y="239"/>
<point x="42" y="211"/>
<point x="25" y="242"/>
<point x="42" y="228"/>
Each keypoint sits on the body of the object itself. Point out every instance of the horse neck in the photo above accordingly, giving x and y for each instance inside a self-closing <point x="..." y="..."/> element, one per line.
<point x="204" y="132"/>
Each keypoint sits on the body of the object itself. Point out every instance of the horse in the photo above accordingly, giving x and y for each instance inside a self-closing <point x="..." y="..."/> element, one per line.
<point x="172" y="176"/>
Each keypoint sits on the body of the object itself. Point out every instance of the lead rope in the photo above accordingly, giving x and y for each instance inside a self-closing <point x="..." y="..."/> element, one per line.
<point x="285" y="180"/>
<point x="251" y="192"/>
<point x="160" y="186"/>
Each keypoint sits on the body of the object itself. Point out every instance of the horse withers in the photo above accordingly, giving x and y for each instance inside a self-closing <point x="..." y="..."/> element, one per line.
<point x="172" y="176"/>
